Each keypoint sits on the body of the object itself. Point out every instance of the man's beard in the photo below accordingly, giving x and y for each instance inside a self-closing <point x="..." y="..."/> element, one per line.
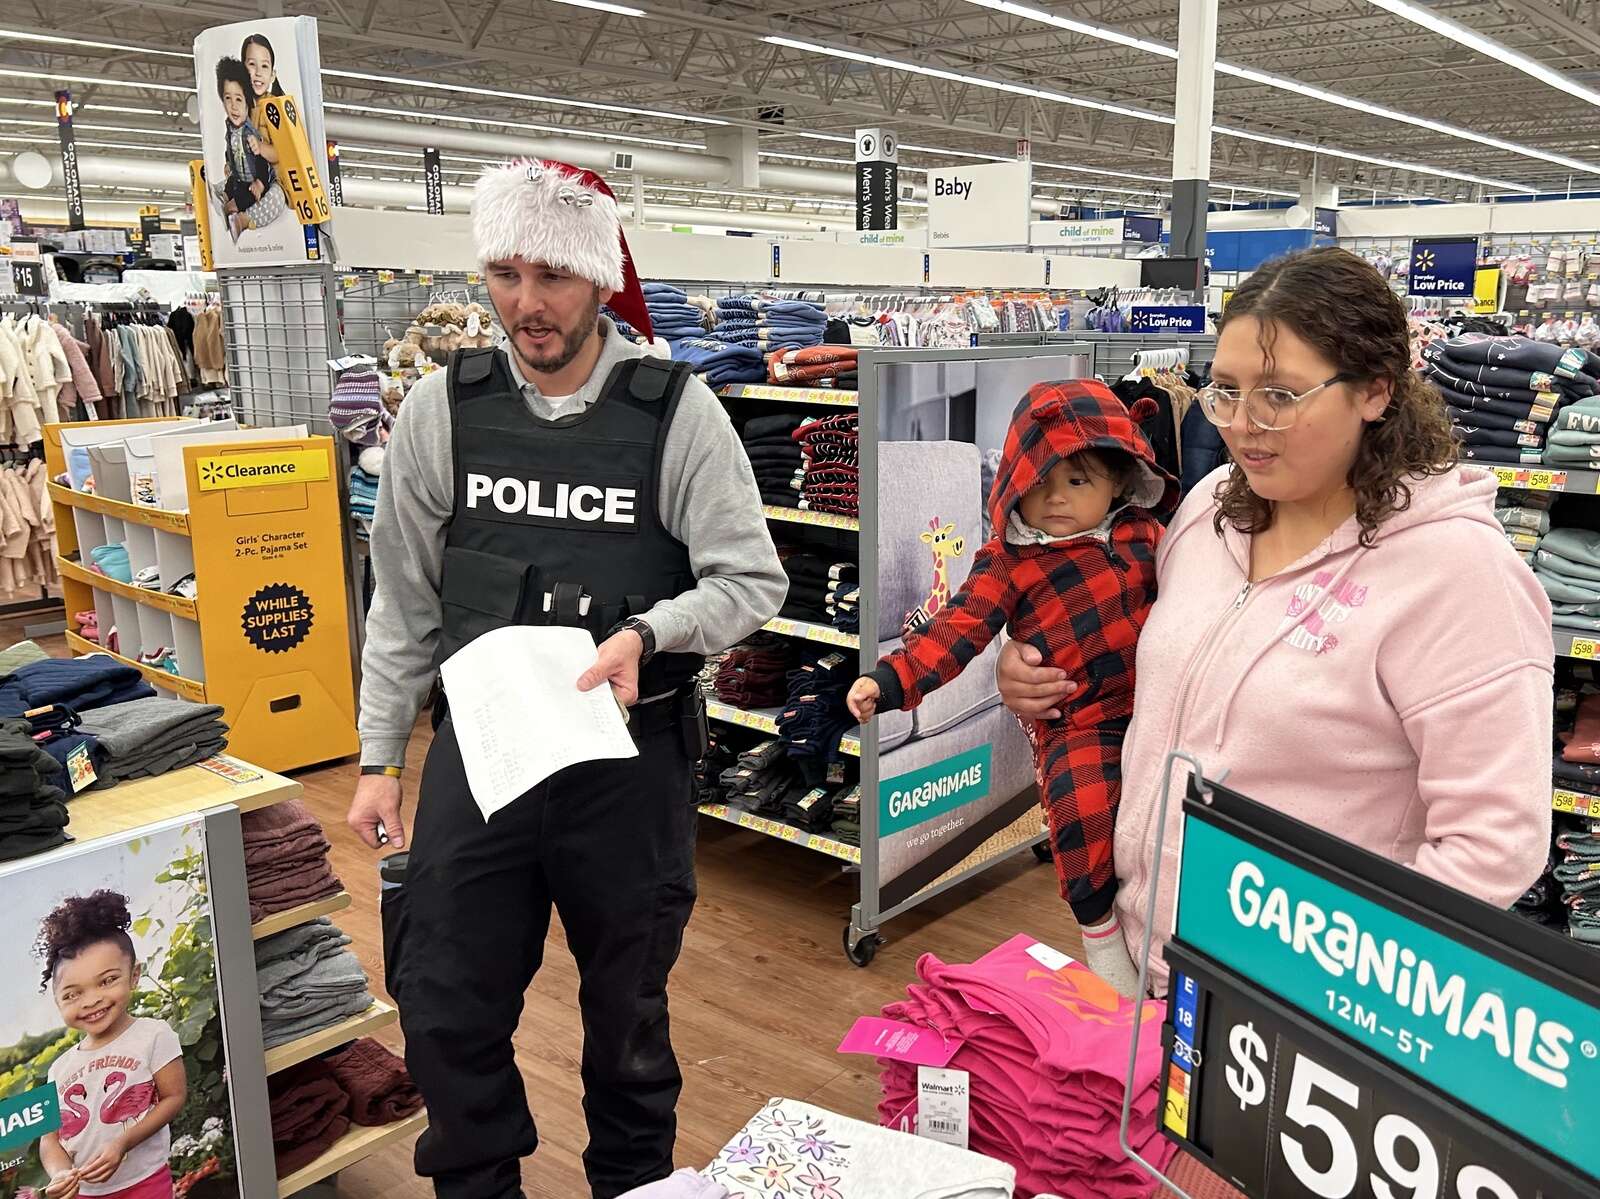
<point x="570" y="343"/>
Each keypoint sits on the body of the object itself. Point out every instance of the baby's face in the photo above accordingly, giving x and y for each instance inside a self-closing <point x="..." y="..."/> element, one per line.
<point x="1073" y="497"/>
<point x="233" y="103"/>
<point x="92" y="990"/>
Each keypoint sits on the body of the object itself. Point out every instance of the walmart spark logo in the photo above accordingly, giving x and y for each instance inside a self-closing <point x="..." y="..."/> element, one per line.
<point x="1425" y="260"/>
<point x="210" y="472"/>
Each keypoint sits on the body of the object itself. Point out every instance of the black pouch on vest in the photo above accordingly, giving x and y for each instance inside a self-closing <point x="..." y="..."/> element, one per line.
<point x="482" y="591"/>
<point x="696" y="732"/>
<point x="392" y="908"/>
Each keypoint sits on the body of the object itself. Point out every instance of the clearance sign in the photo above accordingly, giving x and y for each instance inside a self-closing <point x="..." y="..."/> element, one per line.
<point x="225" y="472"/>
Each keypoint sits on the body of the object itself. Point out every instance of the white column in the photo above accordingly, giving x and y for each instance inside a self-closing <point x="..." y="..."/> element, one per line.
<point x="1191" y="140"/>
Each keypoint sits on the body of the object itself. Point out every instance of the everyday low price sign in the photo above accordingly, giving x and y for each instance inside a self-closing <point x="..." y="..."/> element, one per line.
<point x="1167" y="318"/>
<point x="1378" y="1011"/>
<point x="1444" y="266"/>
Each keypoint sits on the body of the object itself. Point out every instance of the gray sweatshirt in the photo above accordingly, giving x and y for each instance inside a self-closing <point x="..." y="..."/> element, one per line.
<point x="709" y="501"/>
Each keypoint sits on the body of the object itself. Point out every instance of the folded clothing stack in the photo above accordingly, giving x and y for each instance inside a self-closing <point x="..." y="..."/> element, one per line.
<point x="33" y="813"/>
<point x="719" y="363"/>
<point x="144" y="738"/>
<point x="814" y="807"/>
<point x="816" y="718"/>
<point x="308" y="981"/>
<point x="1502" y="392"/>
<point x="314" y="1102"/>
<point x="1525" y="517"/>
<point x="93" y="681"/>
<point x="1575" y="435"/>
<point x="112" y="561"/>
<point x="16" y="656"/>
<point x="285" y="859"/>
<point x="1567" y="563"/>
<point x="794" y="1149"/>
<point x="1577" y="871"/>
<point x="58" y="730"/>
<point x="817" y="366"/>
<point x="832" y="448"/>
<point x="760" y="779"/>
<point x="846" y="825"/>
<point x="775" y="457"/>
<point x="755" y="673"/>
<point x="814" y="576"/>
<point x="1046" y="1078"/>
<point x="770" y="325"/>
<point x="844" y="607"/>
<point x="720" y="755"/>
<point x="356" y="408"/>
<point x="672" y="316"/>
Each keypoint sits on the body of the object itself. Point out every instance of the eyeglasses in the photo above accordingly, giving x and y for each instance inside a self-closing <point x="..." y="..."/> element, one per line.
<point x="1271" y="409"/>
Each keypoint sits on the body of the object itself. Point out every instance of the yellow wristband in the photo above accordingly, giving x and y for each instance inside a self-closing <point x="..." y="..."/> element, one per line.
<point x="392" y="771"/>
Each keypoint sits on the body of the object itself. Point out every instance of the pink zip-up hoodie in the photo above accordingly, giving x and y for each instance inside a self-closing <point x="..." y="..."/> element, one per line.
<point x="1398" y="697"/>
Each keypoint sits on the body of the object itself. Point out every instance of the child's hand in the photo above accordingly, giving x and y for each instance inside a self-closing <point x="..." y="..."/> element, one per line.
<point x="104" y="1164"/>
<point x="863" y="699"/>
<point x="258" y="189"/>
<point x="63" y="1186"/>
<point x="253" y="142"/>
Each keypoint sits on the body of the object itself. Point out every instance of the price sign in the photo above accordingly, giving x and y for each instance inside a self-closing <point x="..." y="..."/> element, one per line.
<point x="385" y="276"/>
<point x="474" y="277"/>
<point x="349" y="282"/>
<point x="1287" y="1111"/>
<point x="1576" y="804"/>
<point x="1582" y="647"/>
<point x="1342" y="1026"/>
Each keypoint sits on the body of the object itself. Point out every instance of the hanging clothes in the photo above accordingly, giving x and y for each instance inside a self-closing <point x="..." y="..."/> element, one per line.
<point x="20" y="415"/>
<point x="208" y="350"/>
<point x="82" y="390"/>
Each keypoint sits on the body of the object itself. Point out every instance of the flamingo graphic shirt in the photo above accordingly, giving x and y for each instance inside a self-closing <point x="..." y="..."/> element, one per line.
<point x="103" y="1091"/>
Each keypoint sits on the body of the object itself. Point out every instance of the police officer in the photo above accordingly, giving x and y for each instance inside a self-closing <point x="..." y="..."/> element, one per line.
<point x="566" y="477"/>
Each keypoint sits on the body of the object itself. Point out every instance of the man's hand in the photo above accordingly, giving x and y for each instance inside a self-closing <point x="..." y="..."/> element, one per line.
<point x="1029" y="688"/>
<point x="618" y="664"/>
<point x="377" y="801"/>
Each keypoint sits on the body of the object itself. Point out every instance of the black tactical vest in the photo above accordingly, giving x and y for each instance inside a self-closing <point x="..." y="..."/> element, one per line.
<point x="558" y="522"/>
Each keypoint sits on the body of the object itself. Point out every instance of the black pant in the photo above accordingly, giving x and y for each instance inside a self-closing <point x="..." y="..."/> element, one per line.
<point x="611" y="845"/>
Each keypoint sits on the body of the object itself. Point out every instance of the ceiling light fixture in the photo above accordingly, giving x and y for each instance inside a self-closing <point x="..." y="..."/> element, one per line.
<point x="462" y="89"/>
<point x="1395" y="164"/>
<point x="79" y="127"/>
<point x="503" y="124"/>
<point x="1399" y="7"/>
<point x="1015" y="89"/>
<point x="20" y="36"/>
<point x="1483" y="44"/>
<point x="621" y="10"/>
<point x="35" y="77"/>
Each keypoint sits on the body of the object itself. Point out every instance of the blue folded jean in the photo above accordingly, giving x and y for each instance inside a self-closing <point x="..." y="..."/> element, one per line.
<point x="651" y="290"/>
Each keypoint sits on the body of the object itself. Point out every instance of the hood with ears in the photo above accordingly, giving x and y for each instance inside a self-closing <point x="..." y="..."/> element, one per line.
<point x="1054" y="421"/>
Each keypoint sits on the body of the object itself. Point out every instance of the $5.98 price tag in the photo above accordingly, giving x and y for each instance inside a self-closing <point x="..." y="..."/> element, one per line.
<point x="1286" y="1110"/>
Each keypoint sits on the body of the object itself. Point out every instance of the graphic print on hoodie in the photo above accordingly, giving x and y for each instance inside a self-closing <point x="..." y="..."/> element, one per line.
<point x="1081" y="601"/>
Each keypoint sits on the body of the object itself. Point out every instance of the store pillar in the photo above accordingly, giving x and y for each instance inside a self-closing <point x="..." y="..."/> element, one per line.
<point x="738" y="146"/>
<point x="1191" y="141"/>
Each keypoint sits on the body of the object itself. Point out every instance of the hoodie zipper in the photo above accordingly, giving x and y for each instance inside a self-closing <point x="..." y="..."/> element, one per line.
<point x="1201" y="660"/>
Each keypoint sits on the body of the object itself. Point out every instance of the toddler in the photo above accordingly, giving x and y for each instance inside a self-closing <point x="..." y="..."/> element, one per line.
<point x="261" y="65"/>
<point x="123" y="1083"/>
<point x="1070" y="569"/>
<point x="249" y="192"/>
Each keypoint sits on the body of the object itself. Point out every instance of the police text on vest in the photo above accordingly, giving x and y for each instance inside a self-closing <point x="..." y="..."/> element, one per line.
<point x="579" y="502"/>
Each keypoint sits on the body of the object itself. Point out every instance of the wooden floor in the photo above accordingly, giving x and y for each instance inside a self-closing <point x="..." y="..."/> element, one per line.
<point x="760" y="997"/>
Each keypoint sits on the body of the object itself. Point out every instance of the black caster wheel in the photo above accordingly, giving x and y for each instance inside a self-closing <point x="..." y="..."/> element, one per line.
<point x="1041" y="850"/>
<point x="864" y="950"/>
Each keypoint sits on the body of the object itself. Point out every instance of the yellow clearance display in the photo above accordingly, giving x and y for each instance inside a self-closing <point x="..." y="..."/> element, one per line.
<point x="267" y="636"/>
<point x="278" y="119"/>
<point x="200" y="197"/>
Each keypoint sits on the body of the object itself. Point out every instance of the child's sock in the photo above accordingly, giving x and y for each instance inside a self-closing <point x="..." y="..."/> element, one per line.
<point x="1106" y="953"/>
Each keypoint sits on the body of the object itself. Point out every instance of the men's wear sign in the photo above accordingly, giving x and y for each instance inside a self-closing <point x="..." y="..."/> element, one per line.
<point x="69" y="161"/>
<point x="1444" y="266"/>
<point x="877" y="179"/>
<point x="1108" y="232"/>
<point x="1341" y="1018"/>
<point x="980" y="205"/>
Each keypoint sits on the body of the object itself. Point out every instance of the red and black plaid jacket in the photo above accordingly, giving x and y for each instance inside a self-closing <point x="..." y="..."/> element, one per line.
<point x="1081" y="603"/>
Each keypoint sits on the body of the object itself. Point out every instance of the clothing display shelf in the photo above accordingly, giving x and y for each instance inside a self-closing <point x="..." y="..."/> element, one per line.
<point x="807" y="631"/>
<point x="375" y="305"/>
<point x="824" y="396"/>
<point x="266" y="636"/>
<point x="784" y="832"/>
<point x="354" y="1147"/>
<point x="379" y="1016"/>
<point x="1575" y="803"/>
<point x="765" y="720"/>
<point x="822" y="520"/>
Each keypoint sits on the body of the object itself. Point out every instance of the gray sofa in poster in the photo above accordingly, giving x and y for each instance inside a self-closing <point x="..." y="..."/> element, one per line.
<point x="918" y="482"/>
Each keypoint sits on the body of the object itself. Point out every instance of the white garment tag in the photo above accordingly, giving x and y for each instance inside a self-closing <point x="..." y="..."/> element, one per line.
<point x="1050" y="959"/>
<point x="943" y="1102"/>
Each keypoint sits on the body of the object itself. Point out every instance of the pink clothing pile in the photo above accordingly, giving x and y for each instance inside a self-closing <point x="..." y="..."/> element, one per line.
<point x="1045" y="1042"/>
<point x="285" y="859"/>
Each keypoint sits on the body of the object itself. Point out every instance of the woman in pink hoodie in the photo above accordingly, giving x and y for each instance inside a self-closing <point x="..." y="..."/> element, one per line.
<point x="1339" y="622"/>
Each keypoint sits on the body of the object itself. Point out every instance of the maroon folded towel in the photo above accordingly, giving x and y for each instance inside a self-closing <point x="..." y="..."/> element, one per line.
<point x="380" y="1090"/>
<point x="309" y="1112"/>
<point x="269" y="825"/>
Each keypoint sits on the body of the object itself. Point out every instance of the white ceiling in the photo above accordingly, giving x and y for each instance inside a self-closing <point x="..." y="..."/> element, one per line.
<point x="708" y="59"/>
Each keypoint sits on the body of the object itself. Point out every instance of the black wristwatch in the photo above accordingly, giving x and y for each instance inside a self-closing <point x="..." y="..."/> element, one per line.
<point x="646" y="635"/>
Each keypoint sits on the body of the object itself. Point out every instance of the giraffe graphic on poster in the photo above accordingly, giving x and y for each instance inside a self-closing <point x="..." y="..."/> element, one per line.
<point x="945" y="544"/>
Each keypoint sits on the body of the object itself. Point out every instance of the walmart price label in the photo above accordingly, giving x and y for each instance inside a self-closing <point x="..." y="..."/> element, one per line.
<point x="1287" y="1110"/>
<point x="1582" y="647"/>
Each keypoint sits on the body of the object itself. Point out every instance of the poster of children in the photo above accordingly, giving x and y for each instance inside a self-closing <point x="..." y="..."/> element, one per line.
<point x="113" y="1081"/>
<point x="249" y="77"/>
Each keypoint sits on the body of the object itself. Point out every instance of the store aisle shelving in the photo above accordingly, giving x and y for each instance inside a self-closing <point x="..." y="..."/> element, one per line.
<point x="379" y="1015"/>
<point x="304" y="913"/>
<point x="765" y="720"/>
<point x="355" y="1146"/>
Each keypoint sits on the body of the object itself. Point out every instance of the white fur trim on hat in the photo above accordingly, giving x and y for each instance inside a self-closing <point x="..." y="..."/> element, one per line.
<point x="538" y="212"/>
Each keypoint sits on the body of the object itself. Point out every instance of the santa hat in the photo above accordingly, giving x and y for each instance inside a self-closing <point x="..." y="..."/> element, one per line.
<point x="564" y="217"/>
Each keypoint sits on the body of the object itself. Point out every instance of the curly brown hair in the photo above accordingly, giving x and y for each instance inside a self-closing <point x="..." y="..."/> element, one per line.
<point x="1339" y="305"/>
<point x="80" y="922"/>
